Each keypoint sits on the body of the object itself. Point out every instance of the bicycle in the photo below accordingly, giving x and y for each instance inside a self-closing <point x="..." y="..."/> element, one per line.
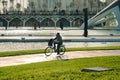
<point x="50" y="49"/>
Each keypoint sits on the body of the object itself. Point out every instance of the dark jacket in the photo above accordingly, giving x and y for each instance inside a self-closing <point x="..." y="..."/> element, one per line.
<point x="58" y="39"/>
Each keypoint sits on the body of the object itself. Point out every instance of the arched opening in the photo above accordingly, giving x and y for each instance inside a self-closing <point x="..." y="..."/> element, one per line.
<point x="3" y="22"/>
<point x="47" y="23"/>
<point x="16" y="22"/>
<point x="32" y="23"/>
<point x="77" y="22"/>
<point x="64" y="21"/>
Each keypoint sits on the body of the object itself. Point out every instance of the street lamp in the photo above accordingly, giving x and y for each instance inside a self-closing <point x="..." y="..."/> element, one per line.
<point x="85" y="10"/>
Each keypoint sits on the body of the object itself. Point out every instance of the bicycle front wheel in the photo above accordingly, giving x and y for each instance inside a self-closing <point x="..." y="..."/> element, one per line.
<point x="62" y="50"/>
<point x="48" y="51"/>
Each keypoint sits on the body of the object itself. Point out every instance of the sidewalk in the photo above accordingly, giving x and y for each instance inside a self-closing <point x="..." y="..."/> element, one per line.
<point x="68" y="35"/>
<point x="26" y="59"/>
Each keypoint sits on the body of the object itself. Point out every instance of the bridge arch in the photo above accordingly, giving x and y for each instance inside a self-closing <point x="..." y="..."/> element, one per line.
<point x="16" y="22"/>
<point x="47" y="23"/>
<point x="65" y="22"/>
<point x="32" y="22"/>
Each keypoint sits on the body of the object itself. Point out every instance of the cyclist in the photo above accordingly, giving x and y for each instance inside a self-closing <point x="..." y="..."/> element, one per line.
<point x="58" y="41"/>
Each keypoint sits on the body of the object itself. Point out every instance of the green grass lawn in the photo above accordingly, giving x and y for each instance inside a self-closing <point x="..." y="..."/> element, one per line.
<point x="24" y="52"/>
<point x="64" y="70"/>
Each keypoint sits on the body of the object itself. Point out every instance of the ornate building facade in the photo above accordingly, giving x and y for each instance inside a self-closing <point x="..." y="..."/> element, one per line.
<point x="47" y="13"/>
<point x="51" y="5"/>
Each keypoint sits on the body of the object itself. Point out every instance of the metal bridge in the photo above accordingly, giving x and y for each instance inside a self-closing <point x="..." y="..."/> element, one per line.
<point x="108" y="18"/>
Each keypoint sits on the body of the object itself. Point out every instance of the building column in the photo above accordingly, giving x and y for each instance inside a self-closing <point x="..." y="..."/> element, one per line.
<point x="6" y="27"/>
<point x="70" y="23"/>
<point x="102" y="25"/>
<point x="8" y="23"/>
<point x="55" y="24"/>
<point x="24" y="23"/>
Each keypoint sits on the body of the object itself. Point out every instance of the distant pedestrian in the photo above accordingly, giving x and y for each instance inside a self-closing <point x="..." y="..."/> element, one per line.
<point x="61" y="25"/>
<point x="16" y="26"/>
<point x="39" y="25"/>
<point x="35" y="26"/>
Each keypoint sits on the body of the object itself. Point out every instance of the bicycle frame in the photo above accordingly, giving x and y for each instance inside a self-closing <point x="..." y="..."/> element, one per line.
<point x="50" y="49"/>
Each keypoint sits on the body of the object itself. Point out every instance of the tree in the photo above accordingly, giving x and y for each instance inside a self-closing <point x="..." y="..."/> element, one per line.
<point x="71" y="6"/>
<point x="4" y="2"/>
<point x="58" y="6"/>
<point x="91" y="5"/>
<point x="18" y="6"/>
<point x="0" y="7"/>
<point x="44" y="6"/>
<point x="32" y="6"/>
<point x="85" y="3"/>
<point x="99" y="5"/>
<point x="12" y="4"/>
<point x="23" y="6"/>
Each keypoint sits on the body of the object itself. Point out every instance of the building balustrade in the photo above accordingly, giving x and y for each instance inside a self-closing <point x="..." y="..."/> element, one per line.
<point x="62" y="12"/>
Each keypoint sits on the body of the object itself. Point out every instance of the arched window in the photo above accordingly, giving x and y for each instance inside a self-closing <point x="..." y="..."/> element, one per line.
<point x="64" y="21"/>
<point x="32" y="22"/>
<point x="3" y="22"/>
<point x="16" y="22"/>
<point x="47" y="23"/>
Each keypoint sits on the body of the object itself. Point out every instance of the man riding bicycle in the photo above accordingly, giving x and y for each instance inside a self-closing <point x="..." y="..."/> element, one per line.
<point x="57" y="41"/>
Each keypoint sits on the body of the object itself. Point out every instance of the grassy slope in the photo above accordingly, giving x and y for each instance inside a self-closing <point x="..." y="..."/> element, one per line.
<point x="64" y="70"/>
<point x="24" y="52"/>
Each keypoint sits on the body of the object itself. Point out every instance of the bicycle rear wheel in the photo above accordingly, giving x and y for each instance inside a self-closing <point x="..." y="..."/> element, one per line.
<point x="48" y="51"/>
<point x="62" y="50"/>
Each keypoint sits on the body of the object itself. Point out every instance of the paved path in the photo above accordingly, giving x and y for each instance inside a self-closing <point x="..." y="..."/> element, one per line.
<point x="25" y="59"/>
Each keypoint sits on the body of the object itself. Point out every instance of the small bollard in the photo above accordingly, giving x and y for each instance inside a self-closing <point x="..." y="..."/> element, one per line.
<point x="22" y="38"/>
